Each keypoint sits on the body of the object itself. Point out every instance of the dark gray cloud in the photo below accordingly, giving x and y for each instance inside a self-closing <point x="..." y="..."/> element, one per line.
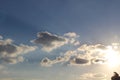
<point x="98" y="61"/>
<point x="46" y="38"/>
<point x="79" y="61"/>
<point x="49" y="41"/>
<point x="7" y="48"/>
<point x="46" y="62"/>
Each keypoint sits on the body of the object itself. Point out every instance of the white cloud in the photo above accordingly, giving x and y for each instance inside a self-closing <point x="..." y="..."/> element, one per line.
<point x="72" y="38"/>
<point x="83" y="55"/>
<point x="76" y="43"/>
<point x="3" y="70"/>
<point x="71" y="35"/>
<point x="46" y="62"/>
<point x="92" y="76"/>
<point x="49" y="41"/>
<point x="54" y="45"/>
<point x="61" y="59"/>
<point x="11" y="53"/>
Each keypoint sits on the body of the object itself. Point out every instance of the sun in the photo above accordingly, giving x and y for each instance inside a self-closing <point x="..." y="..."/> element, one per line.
<point x="112" y="56"/>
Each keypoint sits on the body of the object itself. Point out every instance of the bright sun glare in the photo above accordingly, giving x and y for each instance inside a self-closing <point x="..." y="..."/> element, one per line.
<point x="112" y="56"/>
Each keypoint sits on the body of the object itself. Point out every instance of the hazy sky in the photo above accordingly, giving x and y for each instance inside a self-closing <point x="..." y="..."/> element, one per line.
<point x="59" y="39"/>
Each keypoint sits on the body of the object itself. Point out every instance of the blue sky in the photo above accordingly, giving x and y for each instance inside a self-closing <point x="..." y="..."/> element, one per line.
<point x="45" y="39"/>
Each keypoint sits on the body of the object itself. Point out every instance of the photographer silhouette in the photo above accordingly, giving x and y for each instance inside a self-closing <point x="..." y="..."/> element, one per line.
<point x="115" y="76"/>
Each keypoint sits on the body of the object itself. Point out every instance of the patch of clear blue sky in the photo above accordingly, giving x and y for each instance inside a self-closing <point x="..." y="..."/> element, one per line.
<point x="94" y="20"/>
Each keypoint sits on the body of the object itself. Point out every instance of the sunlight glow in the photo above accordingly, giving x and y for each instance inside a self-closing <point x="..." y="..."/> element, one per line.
<point x="112" y="56"/>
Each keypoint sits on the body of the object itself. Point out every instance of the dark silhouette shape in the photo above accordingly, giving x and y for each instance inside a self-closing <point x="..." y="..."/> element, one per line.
<point x="115" y="76"/>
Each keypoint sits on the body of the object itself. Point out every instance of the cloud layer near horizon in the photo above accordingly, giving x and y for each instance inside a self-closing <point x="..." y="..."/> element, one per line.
<point x="92" y="76"/>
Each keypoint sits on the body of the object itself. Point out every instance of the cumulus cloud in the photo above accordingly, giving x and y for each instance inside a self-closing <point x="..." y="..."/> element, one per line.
<point x="49" y="41"/>
<point x="47" y="62"/>
<point x="72" y="38"/>
<point x="71" y="35"/>
<point x="61" y="59"/>
<point x="11" y="53"/>
<point x="83" y="55"/>
<point x="69" y="56"/>
<point x="92" y="76"/>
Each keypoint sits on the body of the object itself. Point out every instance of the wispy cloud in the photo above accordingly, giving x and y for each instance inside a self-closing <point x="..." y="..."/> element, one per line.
<point x="3" y="70"/>
<point x="92" y="76"/>
<point x="7" y="79"/>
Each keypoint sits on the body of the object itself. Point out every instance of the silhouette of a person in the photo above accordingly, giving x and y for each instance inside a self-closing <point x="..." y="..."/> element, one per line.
<point x="115" y="76"/>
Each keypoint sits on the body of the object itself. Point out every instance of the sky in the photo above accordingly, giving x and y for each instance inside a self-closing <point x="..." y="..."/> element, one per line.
<point x="59" y="39"/>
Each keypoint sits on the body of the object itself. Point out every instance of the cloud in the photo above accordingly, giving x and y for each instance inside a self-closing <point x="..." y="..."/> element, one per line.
<point x="72" y="38"/>
<point x="49" y="41"/>
<point x="83" y="55"/>
<point x="92" y="76"/>
<point x="11" y="53"/>
<point x="61" y="59"/>
<point x="71" y="35"/>
<point x="3" y="70"/>
<point x="48" y="63"/>
<point x="77" y="61"/>
<point x="1" y="37"/>
<point x="98" y="61"/>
